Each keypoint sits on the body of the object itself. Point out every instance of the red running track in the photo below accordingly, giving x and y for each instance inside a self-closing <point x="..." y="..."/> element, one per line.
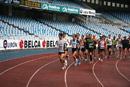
<point x="45" y="71"/>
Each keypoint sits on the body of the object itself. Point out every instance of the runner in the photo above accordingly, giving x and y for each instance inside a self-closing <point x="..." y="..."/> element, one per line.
<point x="78" y="48"/>
<point x="125" y="44"/>
<point x="86" y="47"/>
<point x="62" y="47"/>
<point x="95" y="43"/>
<point x="102" y="45"/>
<point x="119" y="47"/>
<point x="99" y="46"/>
<point x="91" y="47"/>
<point x="82" y="48"/>
<point x="105" y="46"/>
<point x="73" y="43"/>
<point x="67" y="41"/>
<point x="109" y="45"/>
<point x="114" y="45"/>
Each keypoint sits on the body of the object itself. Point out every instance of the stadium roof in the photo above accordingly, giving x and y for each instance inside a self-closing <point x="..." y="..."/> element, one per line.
<point x="120" y="1"/>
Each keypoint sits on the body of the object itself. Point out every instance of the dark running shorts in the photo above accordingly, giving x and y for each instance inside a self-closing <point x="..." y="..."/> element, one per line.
<point x="74" y="49"/>
<point x="129" y="46"/>
<point x="61" y="53"/>
<point x="90" y="49"/>
<point x="83" y="49"/>
<point x="94" y="47"/>
<point x="108" y="47"/>
<point x="125" y="47"/>
<point x="101" y="50"/>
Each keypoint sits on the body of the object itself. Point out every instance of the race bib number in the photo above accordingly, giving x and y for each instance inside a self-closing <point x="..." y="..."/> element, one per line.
<point x="90" y="45"/>
<point x="73" y="45"/>
<point x="60" y="47"/>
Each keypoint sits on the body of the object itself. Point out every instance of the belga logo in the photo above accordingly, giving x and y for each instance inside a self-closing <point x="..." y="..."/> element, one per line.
<point x="32" y="44"/>
<point x="10" y="44"/>
<point x="29" y="44"/>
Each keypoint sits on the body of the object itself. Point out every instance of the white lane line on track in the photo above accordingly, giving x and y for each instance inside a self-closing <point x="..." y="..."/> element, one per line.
<point x="65" y="76"/>
<point x="27" y="85"/>
<point x="116" y="65"/>
<point x="24" y="57"/>
<point x="23" y="63"/>
<point x="96" y="75"/>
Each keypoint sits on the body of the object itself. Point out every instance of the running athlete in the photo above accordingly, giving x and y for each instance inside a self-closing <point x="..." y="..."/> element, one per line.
<point x="91" y="47"/>
<point x="86" y="46"/>
<point x="98" y="44"/>
<point x="114" y="45"/>
<point x="78" y="49"/>
<point x="73" y="43"/>
<point x="129" y="46"/>
<point x="119" y="46"/>
<point x="82" y="49"/>
<point x="102" y="45"/>
<point x="109" y="45"/>
<point x="105" y="46"/>
<point x="62" y="47"/>
<point x="125" y="44"/>
<point x="95" y="42"/>
<point x="67" y="41"/>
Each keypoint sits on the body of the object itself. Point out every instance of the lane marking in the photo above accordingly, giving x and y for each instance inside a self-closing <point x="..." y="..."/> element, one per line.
<point x="116" y="65"/>
<point x="96" y="75"/>
<point x="29" y="81"/>
<point x="65" y="75"/>
<point x="23" y="63"/>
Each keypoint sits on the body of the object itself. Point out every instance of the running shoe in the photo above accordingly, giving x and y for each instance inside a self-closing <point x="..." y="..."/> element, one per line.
<point x="63" y="68"/>
<point x="99" y="59"/>
<point x="66" y="63"/>
<point x="91" y="62"/>
<point x="76" y="60"/>
<point x="86" y="59"/>
<point x="79" y="63"/>
<point x="75" y="64"/>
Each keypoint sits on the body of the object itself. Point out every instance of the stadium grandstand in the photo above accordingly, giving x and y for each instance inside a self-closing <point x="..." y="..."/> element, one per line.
<point x="72" y="22"/>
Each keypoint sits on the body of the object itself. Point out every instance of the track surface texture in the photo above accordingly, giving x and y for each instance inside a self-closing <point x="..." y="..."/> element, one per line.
<point x="44" y="70"/>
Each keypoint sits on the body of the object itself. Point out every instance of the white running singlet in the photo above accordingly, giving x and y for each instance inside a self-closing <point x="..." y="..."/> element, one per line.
<point x="119" y="41"/>
<point x="73" y="43"/>
<point x="61" y="45"/>
<point x="109" y="42"/>
<point x="102" y="44"/>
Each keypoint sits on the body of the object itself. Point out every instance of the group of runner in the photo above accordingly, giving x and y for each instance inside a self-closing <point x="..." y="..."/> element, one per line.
<point x="84" y="48"/>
